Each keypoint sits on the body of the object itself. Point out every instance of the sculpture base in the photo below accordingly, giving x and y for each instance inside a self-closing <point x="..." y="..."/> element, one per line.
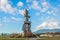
<point x="26" y="34"/>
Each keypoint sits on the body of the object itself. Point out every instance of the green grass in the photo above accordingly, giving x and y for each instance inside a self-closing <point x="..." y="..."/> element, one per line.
<point x="41" y="38"/>
<point x="7" y="38"/>
<point x="11" y="39"/>
<point x="50" y="38"/>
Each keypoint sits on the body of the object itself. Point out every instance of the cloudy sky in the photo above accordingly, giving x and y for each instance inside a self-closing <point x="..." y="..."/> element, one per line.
<point x="45" y="14"/>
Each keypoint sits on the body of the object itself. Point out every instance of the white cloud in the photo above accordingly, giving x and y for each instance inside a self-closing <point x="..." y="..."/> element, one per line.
<point x="48" y="12"/>
<point x="5" y="19"/>
<point x="53" y="25"/>
<point x="6" y="7"/>
<point x="3" y="1"/>
<point x="49" y="8"/>
<point x="27" y="0"/>
<point x="41" y="26"/>
<point x="35" y="6"/>
<point x="20" y="3"/>
<point x="21" y="12"/>
<point x="16" y="19"/>
<point x="37" y="14"/>
<point x="44" y="10"/>
<point x="53" y="11"/>
<point x="49" y="24"/>
<point x="0" y="25"/>
<point x="9" y="8"/>
<point x="46" y="6"/>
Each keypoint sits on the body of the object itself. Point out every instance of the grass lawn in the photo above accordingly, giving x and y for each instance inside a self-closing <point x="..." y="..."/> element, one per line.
<point x="41" y="38"/>
<point x="50" y="38"/>
<point x="11" y="39"/>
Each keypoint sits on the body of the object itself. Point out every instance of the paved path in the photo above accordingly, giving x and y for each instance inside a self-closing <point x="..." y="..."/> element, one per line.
<point x="33" y="38"/>
<point x="30" y="39"/>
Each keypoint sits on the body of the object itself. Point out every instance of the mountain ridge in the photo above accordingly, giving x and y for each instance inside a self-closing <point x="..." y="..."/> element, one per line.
<point x="46" y="30"/>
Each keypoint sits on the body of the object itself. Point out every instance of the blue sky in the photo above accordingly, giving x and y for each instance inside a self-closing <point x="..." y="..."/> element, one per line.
<point x="45" y="14"/>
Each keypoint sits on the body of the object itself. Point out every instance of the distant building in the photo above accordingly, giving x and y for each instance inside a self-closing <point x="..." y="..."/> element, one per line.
<point x="46" y="35"/>
<point x="50" y="34"/>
